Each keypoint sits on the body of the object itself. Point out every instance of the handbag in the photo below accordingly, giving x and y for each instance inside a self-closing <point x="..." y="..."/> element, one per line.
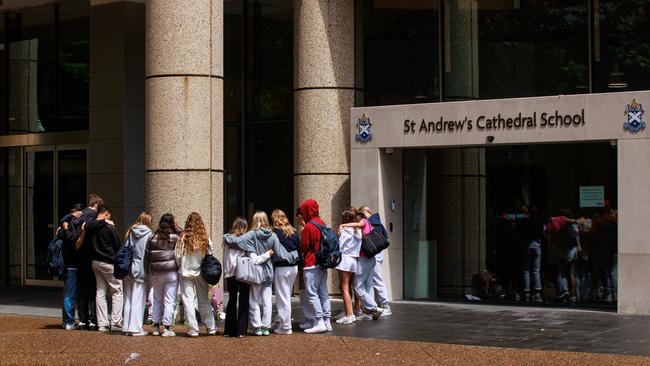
<point x="374" y="243"/>
<point x="249" y="272"/>
<point x="123" y="260"/>
<point x="210" y="269"/>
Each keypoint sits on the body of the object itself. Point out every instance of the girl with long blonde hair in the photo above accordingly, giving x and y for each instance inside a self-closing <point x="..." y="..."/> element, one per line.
<point x="261" y="243"/>
<point x="134" y="283"/>
<point x="285" y="272"/>
<point x="236" y="317"/>
<point x="193" y="246"/>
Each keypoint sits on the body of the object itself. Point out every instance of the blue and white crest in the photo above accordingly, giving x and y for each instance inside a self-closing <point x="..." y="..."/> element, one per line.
<point x="634" y="117"/>
<point x="363" y="125"/>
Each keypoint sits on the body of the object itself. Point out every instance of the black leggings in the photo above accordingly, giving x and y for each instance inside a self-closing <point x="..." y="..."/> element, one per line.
<point x="236" y="319"/>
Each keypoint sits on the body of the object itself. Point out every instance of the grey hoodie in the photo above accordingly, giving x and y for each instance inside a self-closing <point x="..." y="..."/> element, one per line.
<point x="138" y="238"/>
<point x="259" y="241"/>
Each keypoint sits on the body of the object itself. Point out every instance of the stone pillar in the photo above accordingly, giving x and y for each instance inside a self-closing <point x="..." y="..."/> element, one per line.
<point x="323" y="96"/>
<point x="633" y="212"/>
<point x="461" y="49"/>
<point x="116" y="107"/>
<point x="23" y="85"/>
<point x="184" y="110"/>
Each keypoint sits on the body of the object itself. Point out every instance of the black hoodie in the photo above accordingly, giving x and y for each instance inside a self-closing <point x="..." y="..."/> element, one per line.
<point x="105" y="241"/>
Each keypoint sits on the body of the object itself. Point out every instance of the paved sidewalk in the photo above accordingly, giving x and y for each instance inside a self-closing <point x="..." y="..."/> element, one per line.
<point x="553" y="329"/>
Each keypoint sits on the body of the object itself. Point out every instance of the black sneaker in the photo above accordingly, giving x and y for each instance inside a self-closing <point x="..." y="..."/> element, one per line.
<point x="376" y="313"/>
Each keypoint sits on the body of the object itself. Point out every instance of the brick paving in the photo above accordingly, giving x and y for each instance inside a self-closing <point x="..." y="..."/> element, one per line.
<point x="40" y="340"/>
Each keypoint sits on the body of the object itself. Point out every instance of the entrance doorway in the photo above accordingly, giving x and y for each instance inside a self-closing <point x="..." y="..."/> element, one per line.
<point x="526" y="224"/>
<point x="54" y="180"/>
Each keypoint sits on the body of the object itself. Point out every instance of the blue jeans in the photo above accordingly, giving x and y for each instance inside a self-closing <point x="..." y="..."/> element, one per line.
<point x="70" y="297"/>
<point x="317" y="293"/>
<point x="363" y="282"/>
<point x="532" y="261"/>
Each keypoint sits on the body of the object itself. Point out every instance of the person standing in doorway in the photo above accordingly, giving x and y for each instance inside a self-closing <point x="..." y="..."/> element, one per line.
<point x="106" y="242"/>
<point x="135" y="297"/>
<point x="284" y="272"/>
<point x="86" y="284"/>
<point x="163" y="272"/>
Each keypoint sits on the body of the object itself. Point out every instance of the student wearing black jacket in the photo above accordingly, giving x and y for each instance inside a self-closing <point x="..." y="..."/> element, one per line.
<point x="285" y="273"/>
<point x="381" y="294"/>
<point x="105" y="243"/>
<point x="86" y="283"/>
<point x="67" y="234"/>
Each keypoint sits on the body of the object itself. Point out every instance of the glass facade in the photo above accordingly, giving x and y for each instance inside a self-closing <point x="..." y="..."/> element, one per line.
<point x="258" y="107"/>
<point x="44" y="68"/>
<point x="525" y="224"/>
<point x="448" y="50"/>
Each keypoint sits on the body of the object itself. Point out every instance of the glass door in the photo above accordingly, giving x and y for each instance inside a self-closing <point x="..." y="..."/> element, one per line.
<point x="55" y="181"/>
<point x="39" y="213"/>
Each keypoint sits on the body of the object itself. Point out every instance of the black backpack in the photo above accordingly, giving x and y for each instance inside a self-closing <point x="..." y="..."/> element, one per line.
<point x="123" y="260"/>
<point x="211" y="269"/>
<point x="374" y="243"/>
<point x="55" y="264"/>
<point x="328" y="254"/>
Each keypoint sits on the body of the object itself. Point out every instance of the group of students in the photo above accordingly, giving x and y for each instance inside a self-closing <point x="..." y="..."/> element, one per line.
<point x="168" y="260"/>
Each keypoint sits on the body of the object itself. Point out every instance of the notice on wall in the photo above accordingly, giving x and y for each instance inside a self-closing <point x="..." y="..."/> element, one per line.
<point x="592" y="196"/>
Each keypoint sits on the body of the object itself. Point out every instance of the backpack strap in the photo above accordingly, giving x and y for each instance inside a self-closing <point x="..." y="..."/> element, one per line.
<point x="320" y="230"/>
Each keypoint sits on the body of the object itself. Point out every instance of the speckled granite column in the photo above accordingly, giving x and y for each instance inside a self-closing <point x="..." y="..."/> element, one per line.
<point x="323" y="96"/>
<point x="184" y="110"/>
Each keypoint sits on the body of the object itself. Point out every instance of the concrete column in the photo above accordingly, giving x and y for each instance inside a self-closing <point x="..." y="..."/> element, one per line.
<point x="461" y="49"/>
<point x="633" y="213"/>
<point x="116" y="107"/>
<point x="323" y="96"/>
<point x="184" y="110"/>
<point x="23" y="84"/>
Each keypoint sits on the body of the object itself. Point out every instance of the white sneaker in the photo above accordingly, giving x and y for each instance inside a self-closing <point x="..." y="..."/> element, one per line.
<point x="386" y="311"/>
<point x="193" y="334"/>
<point x="71" y="327"/>
<point x="340" y="315"/>
<point x="103" y="329"/>
<point x="212" y="332"/>
<point x="346" y="320"/>
<point x="139" y="334"/>
<point x="156" y="331"/>
<point x="283" y="331"/>
<point x="363" y="317"/>
<point x="168" y="333"/>
<point x="318" y="328"/>
<point x="328" y="325"/>
<point x="306" y="325"/>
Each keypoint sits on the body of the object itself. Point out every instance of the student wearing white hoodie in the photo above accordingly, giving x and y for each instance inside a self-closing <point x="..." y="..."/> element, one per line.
<point x="236" y="316"/>
<point x="193" y="246"/>
<point x="134" y="283"/>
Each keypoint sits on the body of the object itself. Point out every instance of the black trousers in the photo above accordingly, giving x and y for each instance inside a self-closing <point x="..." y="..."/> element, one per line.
<point x="87" y="292"/>
<point x="236" y="319"/>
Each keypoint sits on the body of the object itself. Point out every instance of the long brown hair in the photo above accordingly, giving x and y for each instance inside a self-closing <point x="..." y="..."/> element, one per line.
<point x="239" y="228"/>
<point x="280" y="221"/>
<point x="195" y="237"/>
<point x="145" y="219"/>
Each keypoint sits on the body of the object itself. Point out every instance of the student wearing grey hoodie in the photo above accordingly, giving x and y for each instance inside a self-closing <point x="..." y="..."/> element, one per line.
<point x="258" y="242"/>
<point x="135" y="297"/>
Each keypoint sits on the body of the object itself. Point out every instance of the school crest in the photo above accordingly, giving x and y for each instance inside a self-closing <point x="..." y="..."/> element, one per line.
<point x="634" y="117"/>
<point x="363" y="129"/>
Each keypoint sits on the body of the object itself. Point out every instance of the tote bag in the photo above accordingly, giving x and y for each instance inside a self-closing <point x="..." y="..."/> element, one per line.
<point x="374" y="243"/>
<point x="249" y="272"/>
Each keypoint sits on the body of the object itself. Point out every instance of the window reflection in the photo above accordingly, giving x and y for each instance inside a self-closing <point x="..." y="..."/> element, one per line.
<point x="621" y="53"/>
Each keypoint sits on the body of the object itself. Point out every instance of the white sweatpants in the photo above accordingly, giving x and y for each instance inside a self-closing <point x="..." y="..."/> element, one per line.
<point x="107" y="284"/>
<point x="134" y="303"/>
<point x="381" y="294"/>
<point x="165" y="287"/>
<point x="193" y="291"/>
<point x="260" y="295"/>
<point x="283" y="280"/>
